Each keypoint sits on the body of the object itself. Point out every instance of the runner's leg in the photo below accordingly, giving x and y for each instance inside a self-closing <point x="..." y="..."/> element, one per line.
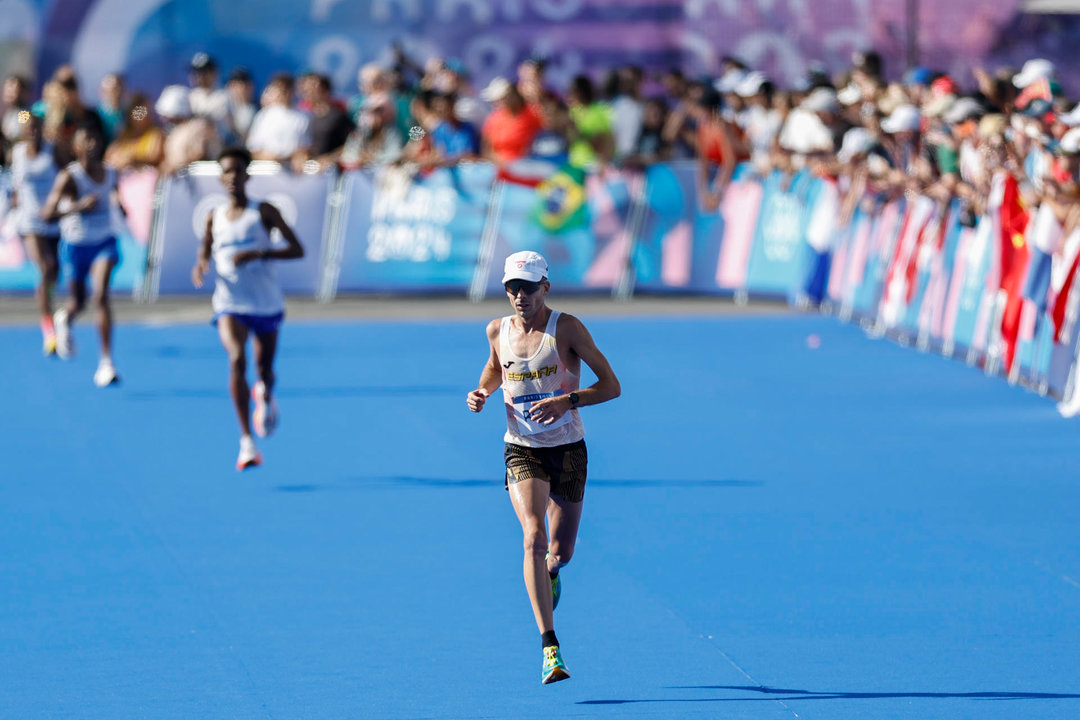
<point x="563" y="518"/>
<point x="265" y="350"/>
<point x="234" y="336"/>
<point x="529" y="498"/>
<point x="101" y="276"/>
<point x="42" y="251"/>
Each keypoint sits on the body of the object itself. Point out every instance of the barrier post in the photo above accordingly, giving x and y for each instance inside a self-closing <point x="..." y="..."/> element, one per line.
<point x="623" y="289"/>
<point x="478" y="289"/>
<point x="333" y="240"/>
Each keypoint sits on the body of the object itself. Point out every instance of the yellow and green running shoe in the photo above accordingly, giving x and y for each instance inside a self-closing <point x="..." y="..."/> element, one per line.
<point x="554" y="668"/>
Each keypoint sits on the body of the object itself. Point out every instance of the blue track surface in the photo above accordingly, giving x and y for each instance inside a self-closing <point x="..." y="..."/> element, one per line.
<point x="771" y="531"/>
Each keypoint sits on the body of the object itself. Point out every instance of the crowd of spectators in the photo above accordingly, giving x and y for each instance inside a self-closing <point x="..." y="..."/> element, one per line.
<point x="921" y="133"/>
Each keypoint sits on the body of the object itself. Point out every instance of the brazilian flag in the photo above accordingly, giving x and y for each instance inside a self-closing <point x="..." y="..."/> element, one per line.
<point x="560" y="201"/>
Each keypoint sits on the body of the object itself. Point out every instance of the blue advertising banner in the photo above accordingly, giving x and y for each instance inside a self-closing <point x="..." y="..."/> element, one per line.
<point x="678" y="244"/>
<point x="411" y="233"/>
<point x="188" y="198"/>
<point x="976" y="259"/>
<point x="778" y="255"/>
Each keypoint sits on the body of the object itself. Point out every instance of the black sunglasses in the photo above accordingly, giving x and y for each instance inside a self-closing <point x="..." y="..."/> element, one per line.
<point x="513" y="286"/>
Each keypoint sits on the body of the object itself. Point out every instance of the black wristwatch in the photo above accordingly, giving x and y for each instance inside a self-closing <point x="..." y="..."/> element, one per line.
<point x="574" y="400"/>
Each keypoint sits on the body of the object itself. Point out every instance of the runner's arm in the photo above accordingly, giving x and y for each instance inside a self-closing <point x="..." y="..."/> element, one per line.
<point x="607" y="385"/>
<point x="272" y="220"/>
<point x="202" y="260"/>
<point x="62" y="187"/>
<point x="490" y="376"/>
<point x="605" y="388"/>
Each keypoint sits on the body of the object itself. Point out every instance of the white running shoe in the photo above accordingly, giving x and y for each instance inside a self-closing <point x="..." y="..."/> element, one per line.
<point x="1070" y="408"/>
<point x="265" y="415"/>
<point x="65" y="345"/>
<point x="249" y="455"/>
<point x="105" y="374"/>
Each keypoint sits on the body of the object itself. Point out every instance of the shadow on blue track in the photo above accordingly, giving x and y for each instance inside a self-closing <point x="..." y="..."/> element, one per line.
<point x="792" y="695"/>
<point x="471" y="483"/>
<point x="294" y="392"/>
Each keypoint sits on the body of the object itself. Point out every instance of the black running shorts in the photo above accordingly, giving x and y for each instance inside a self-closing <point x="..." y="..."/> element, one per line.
<point x="562" y="466"/>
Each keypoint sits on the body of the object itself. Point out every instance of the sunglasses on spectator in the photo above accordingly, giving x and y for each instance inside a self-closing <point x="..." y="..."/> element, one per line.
<point x="514" y="286"/>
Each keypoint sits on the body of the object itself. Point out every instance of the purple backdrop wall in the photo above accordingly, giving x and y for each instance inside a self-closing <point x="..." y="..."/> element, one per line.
<point x="151" y="40"/>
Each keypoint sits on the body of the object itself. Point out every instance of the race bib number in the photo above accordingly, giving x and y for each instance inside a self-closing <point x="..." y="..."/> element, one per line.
<point x="522" y="409"/>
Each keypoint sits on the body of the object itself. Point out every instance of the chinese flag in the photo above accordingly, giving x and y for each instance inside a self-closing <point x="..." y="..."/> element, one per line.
<point x="1014" y="260"/>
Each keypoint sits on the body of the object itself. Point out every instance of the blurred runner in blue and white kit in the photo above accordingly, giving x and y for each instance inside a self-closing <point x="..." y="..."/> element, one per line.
<point x="247" y="298"/>
<point x="81" y="199"/>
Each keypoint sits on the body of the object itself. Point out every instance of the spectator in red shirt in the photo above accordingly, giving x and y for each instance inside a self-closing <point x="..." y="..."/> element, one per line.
<point x="509" y="130"/>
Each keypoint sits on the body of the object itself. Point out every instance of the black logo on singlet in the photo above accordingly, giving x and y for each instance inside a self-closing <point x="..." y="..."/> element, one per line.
<point x="508" y="364"/>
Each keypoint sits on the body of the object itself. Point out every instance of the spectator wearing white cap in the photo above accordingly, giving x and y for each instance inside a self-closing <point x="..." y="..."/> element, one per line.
<point x="823" y="103"/>
<point x="188" y="139"/>
<point x="903" y="139"/>
<point x="1034" y="70"/>
<point x="760" y="121"/>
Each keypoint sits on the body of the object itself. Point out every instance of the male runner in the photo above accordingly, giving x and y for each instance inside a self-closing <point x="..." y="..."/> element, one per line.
<point x="247" y="298"/>
<point x="536" y="356"/>
<point x="33" y="173"/>
<point x="81" y="200"/>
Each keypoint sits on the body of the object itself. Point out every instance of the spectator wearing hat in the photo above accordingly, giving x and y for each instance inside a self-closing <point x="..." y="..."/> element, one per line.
<point x="961" y="122"/>
<point x="188" y="139"/>
<point x="240" y="89"/>
<point x="510" y="129"/>
<point x="733" y="75"/>
<point x="902" y="129"/>
<point x="760" y="121"/>
<point x="279" y="132"/>
<point x="823" y="103"/>
<point x="916" y="83"/>
<point x="205" y="97"/>
<point x="1037" y="79"/>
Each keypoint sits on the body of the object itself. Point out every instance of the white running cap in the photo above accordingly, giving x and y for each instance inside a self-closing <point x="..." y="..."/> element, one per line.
<point x="525" y="265"/>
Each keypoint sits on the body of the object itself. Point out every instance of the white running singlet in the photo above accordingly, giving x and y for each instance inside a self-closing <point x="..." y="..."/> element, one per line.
<point x="252" y="288"/>
<point x="527" y="380"/>
<point x="33" y="178"/>
<point x="95" y="224"/>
